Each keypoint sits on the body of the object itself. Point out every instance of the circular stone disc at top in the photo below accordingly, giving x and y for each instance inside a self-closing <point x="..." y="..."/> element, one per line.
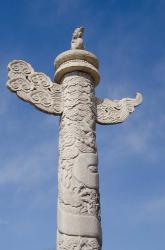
<point x="76" y="60"/>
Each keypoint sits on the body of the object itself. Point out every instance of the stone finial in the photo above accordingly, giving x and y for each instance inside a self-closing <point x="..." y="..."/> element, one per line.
<point x="77" y="38"/>
<point x="72" y="97"/>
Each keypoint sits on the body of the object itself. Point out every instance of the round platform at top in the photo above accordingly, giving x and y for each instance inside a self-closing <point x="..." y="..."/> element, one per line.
<point x="76" y="60"/>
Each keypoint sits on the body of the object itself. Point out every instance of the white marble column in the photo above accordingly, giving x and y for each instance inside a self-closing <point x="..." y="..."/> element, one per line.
<point x="79" y="225"/>
<point x="72" y="97"/>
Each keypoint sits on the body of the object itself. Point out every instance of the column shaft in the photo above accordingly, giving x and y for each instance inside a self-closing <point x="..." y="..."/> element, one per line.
<point x="78" y="181"/>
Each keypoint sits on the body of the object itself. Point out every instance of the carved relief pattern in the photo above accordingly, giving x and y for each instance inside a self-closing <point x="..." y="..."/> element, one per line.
<point x="79" y="223"/>
<point x="111" y="112"/>
<point x="35" y="88"/>
<point x="77" y="243"/>
<point x="77" y="39"/>
<point x="78" y="174"/>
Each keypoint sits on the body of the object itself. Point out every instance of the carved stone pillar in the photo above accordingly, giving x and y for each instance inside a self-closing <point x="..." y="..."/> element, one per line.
<point x="72" y="98"/>
<point x="79" y="224"/>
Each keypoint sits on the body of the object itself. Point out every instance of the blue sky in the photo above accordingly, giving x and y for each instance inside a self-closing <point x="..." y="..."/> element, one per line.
<point x="128" y="37"/>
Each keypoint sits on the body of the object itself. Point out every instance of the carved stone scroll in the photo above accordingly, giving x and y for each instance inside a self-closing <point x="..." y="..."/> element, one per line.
<point x="77" y="75"/>
<point x="116" y="111"/>
<point x="35" y="88"/>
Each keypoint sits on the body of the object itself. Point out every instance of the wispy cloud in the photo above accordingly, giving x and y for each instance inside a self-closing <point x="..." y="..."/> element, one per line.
<point x="137" y="137"/>
<point x="147" y="211"/>
<point x="3" y="222"/>
<point x="31" y="168"/>
<point x="154" y="209"/>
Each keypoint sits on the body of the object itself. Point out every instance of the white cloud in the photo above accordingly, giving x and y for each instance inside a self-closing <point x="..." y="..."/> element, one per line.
<point x="3" y="222"/>
<point x="33" y="167"/>
<point x="43" y="199"/>
<point x="151" y="211"/>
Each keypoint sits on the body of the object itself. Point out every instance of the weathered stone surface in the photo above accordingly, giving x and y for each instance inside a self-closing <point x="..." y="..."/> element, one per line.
<point x="77" y="38"/>
<point x="79" y="203"/>
<point x="33" y="87"/>
<point x="73" y="98"/>
<point x="117" y="111"/>
<point x="77" y="60"/>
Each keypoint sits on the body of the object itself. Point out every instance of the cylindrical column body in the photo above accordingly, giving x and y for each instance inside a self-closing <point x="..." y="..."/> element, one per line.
<point x="79" y="226"/>
<point x="78" y="202"/>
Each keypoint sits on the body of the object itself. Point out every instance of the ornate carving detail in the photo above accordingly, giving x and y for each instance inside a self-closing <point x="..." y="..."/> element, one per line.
<point x="76" y="54"/>
<point x="117" y="111"/>
<point x="77" y="65"/>
<point x="78" y="174"/>
<point x="77" y="38"/>
<point x="79" y="223"/>
<point x="77" y="243"/>
<point x="35" y="88"/>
